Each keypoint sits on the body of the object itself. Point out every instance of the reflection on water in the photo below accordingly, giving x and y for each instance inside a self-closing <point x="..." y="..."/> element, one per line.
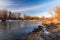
<point x="16" y="30"/>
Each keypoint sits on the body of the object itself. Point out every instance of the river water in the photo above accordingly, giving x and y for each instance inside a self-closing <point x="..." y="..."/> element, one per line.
<point x="16" y="30"/>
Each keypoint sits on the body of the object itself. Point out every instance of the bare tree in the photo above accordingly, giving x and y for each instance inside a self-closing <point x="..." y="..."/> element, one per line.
<point x="4" y="13"/>
<point x="57" y="10"/>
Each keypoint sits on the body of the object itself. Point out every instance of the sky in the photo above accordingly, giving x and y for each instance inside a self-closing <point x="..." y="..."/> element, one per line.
<point x="30" y="7"/>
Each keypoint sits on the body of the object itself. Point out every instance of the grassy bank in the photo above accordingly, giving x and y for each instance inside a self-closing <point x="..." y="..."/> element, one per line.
<point x="53" y="28"/>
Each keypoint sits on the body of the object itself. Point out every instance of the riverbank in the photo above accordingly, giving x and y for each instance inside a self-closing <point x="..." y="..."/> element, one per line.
<point x="53" y="28"/>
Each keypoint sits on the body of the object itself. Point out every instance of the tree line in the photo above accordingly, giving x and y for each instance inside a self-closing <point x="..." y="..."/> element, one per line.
<point x="5" y="14"/>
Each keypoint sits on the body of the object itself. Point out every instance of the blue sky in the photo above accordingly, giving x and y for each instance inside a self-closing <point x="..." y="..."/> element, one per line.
<point x="30" y="7"/>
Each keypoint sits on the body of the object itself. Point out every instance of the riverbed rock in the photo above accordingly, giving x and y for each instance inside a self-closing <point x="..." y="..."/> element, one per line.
<point x="35" y="30"/>
<point x="40" y="27"/>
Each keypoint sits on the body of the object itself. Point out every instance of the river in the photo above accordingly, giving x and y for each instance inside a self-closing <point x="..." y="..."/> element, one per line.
<point x="16" y="30"/>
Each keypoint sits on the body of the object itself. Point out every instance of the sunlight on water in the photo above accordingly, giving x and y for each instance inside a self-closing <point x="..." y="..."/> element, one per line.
<point x="46" y="32"/>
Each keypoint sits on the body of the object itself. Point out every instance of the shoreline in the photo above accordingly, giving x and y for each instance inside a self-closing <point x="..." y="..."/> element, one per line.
<point x="54" y="29"/>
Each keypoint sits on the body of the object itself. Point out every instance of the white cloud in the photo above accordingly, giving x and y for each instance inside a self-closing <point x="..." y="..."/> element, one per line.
<point x="5" y="3"/>
<point x="37" y="6"/>
<point x="45" y="14"/>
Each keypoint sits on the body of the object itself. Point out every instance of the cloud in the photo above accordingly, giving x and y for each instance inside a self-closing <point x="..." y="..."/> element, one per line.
<point x="45" y="14"/>
<point x="5" y="3"/>
<point x="37" y="6"/>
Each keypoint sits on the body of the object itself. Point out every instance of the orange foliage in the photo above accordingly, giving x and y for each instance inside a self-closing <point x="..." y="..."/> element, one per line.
<point x="54" y="19"/>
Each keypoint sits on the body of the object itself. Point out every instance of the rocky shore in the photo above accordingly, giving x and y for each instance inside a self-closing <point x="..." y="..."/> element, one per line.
<point x="52" y="32"/>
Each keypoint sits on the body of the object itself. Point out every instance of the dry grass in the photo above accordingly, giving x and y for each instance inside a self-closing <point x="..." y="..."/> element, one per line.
<point x="57" y="29"/>
<point x="34" y="36"/>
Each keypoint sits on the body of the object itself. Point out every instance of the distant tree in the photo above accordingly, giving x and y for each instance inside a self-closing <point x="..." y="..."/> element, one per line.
<point x="18" y="15"/>
<point x="0" y="14"/>
<point x="10" y="14"/>
<point x="4" y="13"/>
<point x="25" y="16"/>
<point x="13" y="15"/>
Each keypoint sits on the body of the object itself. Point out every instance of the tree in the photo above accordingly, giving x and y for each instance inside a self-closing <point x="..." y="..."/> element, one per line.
<point x="51" y="12"/>
<point x="10" y="14"/>
<point x="0" y="14"/>
<point x="57" y="10"/>
<point x="4" y="13"/>
<point x="25" y="16"/>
